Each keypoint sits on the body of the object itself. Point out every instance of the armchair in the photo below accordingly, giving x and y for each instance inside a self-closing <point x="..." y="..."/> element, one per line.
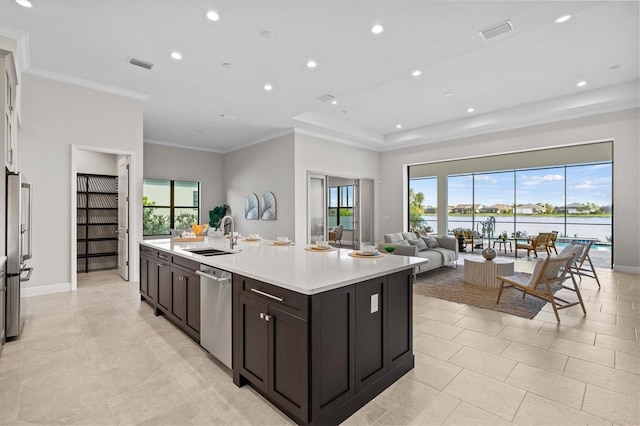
<point x="547" y="273"/>
<point x="539" y="243"/>
<point x="335" y="234"/>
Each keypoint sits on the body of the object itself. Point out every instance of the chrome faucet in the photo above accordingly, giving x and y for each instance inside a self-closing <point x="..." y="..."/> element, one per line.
<point x="233" y="240"/>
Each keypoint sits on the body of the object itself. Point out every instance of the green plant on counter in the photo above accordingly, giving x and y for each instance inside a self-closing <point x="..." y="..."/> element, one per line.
<point x="216" y="215"/>
<point x="389" y="249"/>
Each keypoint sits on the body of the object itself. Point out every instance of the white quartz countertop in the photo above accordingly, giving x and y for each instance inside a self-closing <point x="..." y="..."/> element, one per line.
<point x="291" y="267"/>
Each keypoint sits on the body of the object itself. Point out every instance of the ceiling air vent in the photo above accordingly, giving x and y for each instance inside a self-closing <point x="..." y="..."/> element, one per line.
<point x="140" y="63"/>
<point x="326" y="98"/>
<point x="496" y="30"/>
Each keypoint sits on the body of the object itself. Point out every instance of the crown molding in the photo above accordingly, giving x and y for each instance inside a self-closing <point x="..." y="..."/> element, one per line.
<point x="86" y="83"/>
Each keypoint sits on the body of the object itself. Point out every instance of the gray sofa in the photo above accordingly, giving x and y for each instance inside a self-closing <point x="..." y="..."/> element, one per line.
<point x="439" y="251"/>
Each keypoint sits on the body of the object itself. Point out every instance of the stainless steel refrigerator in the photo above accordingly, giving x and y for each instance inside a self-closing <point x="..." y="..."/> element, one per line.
<point x="18" y="248"/>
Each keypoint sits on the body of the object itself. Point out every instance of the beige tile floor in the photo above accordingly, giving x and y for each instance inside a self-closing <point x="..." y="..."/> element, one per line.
<point x="99" y="356"/>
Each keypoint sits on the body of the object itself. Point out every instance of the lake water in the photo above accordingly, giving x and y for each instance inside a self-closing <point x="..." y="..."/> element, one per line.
<point x="598" y="228"/>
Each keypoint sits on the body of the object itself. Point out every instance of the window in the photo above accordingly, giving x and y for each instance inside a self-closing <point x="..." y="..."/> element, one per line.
<point x="169" y="204"/>
<point x="423" y="203"/>
<point x="341" y="206"/>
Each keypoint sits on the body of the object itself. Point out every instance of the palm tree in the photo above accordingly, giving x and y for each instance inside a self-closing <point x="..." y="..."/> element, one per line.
<point x="416" y="210"/>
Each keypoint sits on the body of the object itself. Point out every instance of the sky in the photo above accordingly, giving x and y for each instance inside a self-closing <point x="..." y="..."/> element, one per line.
<point x="586" y="183"/>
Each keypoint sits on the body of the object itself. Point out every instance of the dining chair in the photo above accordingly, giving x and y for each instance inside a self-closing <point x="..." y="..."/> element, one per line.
<point x="549" y="276"/>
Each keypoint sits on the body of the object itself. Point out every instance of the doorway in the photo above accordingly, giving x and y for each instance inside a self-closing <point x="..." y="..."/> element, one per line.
<point x="340" y="201"/>
<point x="87" y="219"/>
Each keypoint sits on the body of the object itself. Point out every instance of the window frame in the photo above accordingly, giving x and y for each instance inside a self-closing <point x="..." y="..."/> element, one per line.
<point x="339" y="200"/>
<point x="172" y="207"/>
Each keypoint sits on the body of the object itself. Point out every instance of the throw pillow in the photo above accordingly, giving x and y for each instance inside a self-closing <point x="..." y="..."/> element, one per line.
<point x="431" y="242"/>
<point x="422" y="246"/>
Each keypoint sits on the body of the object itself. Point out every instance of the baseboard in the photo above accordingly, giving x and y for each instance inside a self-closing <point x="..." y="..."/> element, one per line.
<point x="45" y="289"/>
<point x="628" y="269"/>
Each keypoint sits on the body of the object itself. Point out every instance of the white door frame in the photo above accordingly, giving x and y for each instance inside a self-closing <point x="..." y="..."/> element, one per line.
<point x="74" y="201"/>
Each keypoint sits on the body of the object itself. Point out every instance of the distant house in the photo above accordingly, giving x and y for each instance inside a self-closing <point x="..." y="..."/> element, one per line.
<point x="430" y="210"/>
<point x="465" y="208"/>
<point x="496" y="209"/>
<point x="573" y="208"/>
<point x="606" y="209"/>
<point x="529" y="209"/>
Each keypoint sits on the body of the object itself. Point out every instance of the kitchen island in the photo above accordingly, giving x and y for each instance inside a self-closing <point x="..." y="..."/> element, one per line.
<point x="319" y="334"/>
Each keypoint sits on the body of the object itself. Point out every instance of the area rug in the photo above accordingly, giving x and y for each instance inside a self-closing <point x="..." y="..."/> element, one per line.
<point x="447" y="283"/>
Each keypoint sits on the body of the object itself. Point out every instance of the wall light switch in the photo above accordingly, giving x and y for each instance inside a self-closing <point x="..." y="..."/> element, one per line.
<point x="374" y="303"/>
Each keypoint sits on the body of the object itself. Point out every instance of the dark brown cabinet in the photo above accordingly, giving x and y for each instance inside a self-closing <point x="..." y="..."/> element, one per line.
<point x="163" y="272"/>
<point x="148" y="277"/>
<point x="169" y="284"/>
<point x="273" y="344"/>
<point x="185" y="300"/>
<point x="320" y="358"/>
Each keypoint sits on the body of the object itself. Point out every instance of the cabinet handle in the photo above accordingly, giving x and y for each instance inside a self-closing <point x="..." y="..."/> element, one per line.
<point x="271" y="296"/>
<point x="211" y="277"/>
<point x="265" y="316"/>
<point x="161" y="265"/>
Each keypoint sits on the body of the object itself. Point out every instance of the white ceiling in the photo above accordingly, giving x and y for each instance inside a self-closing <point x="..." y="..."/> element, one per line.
<point x="527" y="76"/>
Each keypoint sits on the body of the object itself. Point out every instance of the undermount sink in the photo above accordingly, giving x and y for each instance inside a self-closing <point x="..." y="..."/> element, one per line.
<point x="209" y="252"/>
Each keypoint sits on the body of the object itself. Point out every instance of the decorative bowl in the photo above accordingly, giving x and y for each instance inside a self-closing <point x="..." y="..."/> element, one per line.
<point x="489" y="253"/>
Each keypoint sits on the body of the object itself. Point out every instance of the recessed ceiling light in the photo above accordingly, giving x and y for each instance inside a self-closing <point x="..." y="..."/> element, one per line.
<point x="176" y="55"/>
<point x="581" y="83"/>
<point x="447" y="93"/>
<point x="398" y="126"/>
<point x="334" y="102"/>
<point x="24" y="3"/>
<point x="312" y="64"/>
<point x="416" y="73"/>
<point x="562" y="19"/>
<point x="377" y="29"/>
<point x="470" y="110"/>
<point x="268" y="87"/>
<point x="212" y="15"/>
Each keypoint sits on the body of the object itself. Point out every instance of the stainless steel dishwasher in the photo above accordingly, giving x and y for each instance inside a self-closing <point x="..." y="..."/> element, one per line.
<point x="215" y="312"/>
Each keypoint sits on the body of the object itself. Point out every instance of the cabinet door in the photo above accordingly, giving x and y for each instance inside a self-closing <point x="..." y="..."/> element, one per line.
<point x="289" y="362"/>
<point x="371" y="331"/>
<point x="192" y="317"/>
<point x="178" y="294"/>
<point x="163" y="272"/>
<point x="400" y="331"/>
<point x="253" y="342"/>
<point x="332" y="349"/>
<point x="152" y="282"/>
<point x="144" y="275"/>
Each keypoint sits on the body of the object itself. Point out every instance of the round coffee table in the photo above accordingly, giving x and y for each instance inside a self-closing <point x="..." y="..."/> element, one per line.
<point x="482" y="272"/>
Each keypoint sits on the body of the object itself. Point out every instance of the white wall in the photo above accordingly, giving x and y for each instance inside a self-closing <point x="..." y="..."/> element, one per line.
<point x="315" y="154"/>
<point x="97" y="163"/>
<point x="267" y="166"/>
<point x="55" y="116"/>
<point x="621" y="127"/>
<point x="168" y="162"/>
